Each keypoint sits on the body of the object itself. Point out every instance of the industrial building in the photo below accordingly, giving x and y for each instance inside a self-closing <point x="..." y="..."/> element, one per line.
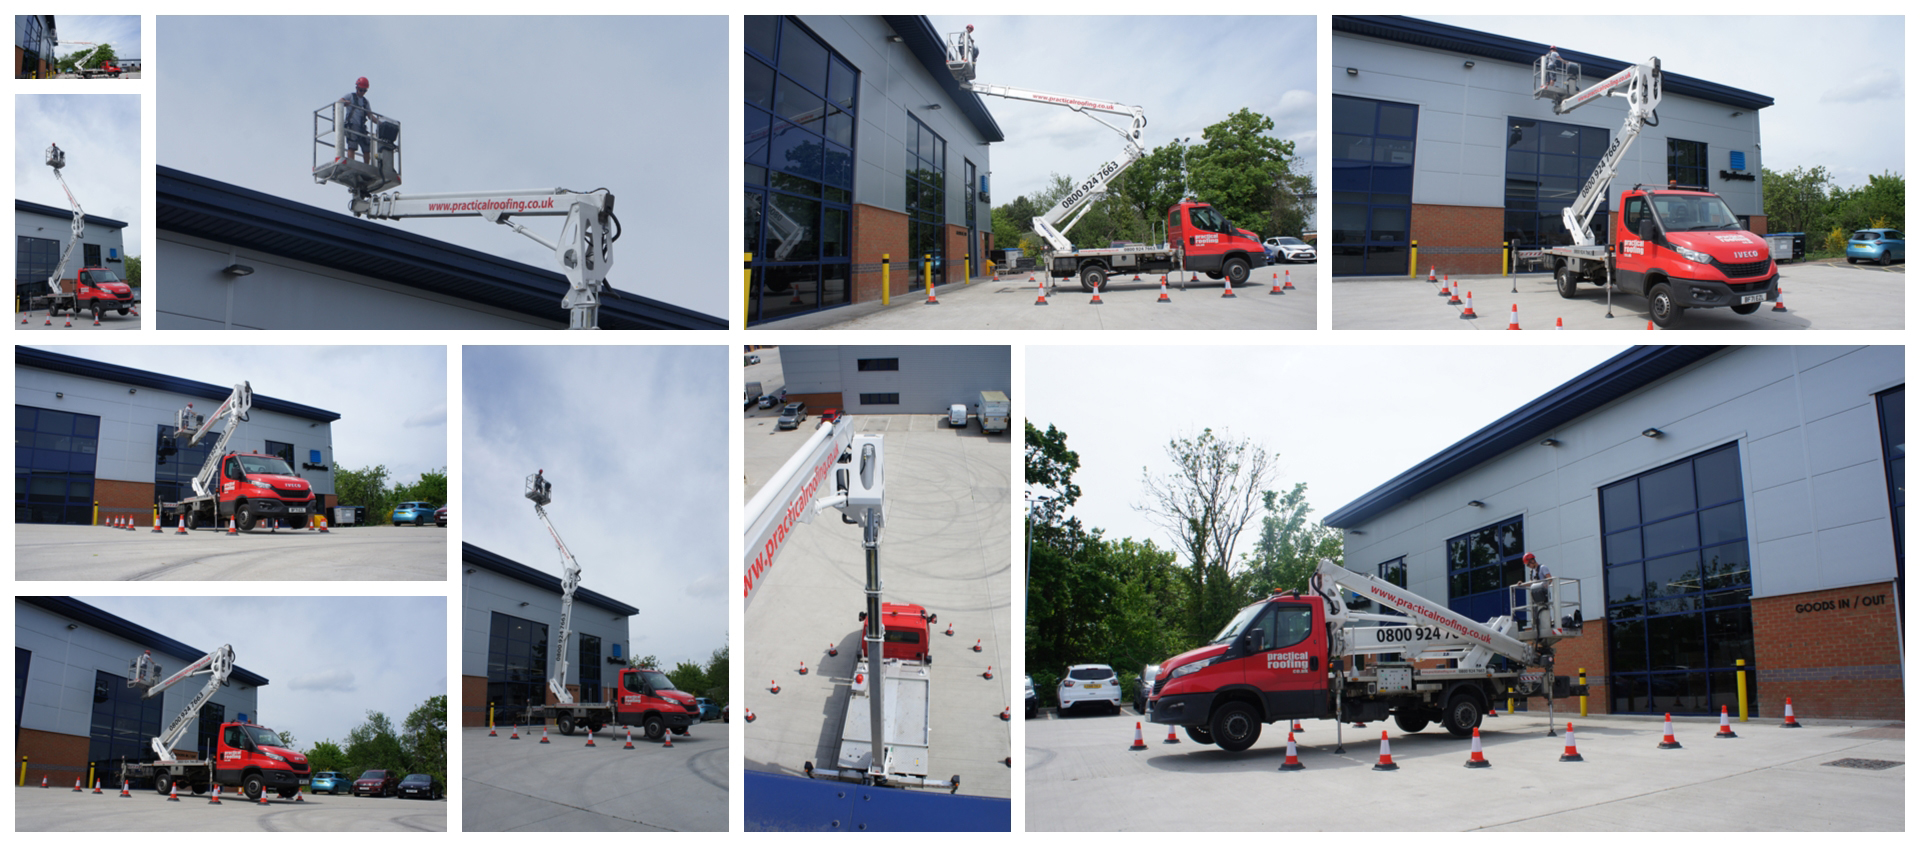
<point x="894" y="379"/>
<point x="508" y="612"/>
<point x="35" y="38"/>
<point x="237" y="258"/>
<point x="40" y="232"/>
<point x="72" y="707"/>
<point x="1723" y="509"/>
<point x="859" y="146"/>
<point x="93" y="440"/>
<point x="1438" y="140"/>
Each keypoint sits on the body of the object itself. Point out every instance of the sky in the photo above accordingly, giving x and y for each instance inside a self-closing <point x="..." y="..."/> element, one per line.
<point x="1344" y="419"/>
<point x="393" y="417"/>
<point x="100" y="135"/>
<point x="634" y="441"/>
<point x="121" y="31"/>
<point x="320" y="683"/>
<point x="1188" y="80"/>
<point x="1845" y="110"/>
<point x="637" y="105"/>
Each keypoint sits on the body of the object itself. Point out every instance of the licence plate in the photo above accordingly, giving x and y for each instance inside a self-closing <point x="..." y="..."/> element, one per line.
<point x="296" y="509"/>
<point x="1757" y="297"/>
<point x="1093" y="686"/>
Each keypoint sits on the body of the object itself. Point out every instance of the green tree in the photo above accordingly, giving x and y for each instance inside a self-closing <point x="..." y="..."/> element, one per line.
<point x="1239" y="168"/>
<point x="325" y="756"/>
<point x="363" y="487"/>
<point x="1881" y="203"/>
<point x="647" y="662"/>
<point x="1152" y="185"/>
<point x="374" y="745"/>
<point x="133" y="270"/>
<point x="718" y="667"/>
<point x="1205" y="503"/>
<point x="1795" y="201"/>
<point x="689" y="677"/>
<point x="1289" y="549"/>
<point x="424" y="737"/>
<point x="431" y="487"/>
<point x="287" y="737"/>
<point x="1051" y="465"/>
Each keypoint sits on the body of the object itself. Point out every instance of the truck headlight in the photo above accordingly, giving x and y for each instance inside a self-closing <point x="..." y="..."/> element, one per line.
<point x="1190" y="668"/>
<point x="1690" y="254"/>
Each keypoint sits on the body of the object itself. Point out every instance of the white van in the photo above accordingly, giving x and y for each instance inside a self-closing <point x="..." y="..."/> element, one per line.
<point x="957" y="416"/>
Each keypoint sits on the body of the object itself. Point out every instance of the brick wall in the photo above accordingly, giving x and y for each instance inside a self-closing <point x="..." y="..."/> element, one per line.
<point x="116" y="496"/>
<point x="473" y="701"/>
<point x="878" y="231"/>
<point x="818" y="402"/>
<point x="1459" y="240"/>
<point x="1759" y="225"/>
<point x="956" y="254"/>
<point x="59" y="757"/>
<point x="1835" y="653"/>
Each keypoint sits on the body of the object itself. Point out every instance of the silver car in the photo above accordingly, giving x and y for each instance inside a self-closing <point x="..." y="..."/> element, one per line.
<point x="1090" y="685"/>
<point x="1289" y="249"/>
<point x="792" y="415"/>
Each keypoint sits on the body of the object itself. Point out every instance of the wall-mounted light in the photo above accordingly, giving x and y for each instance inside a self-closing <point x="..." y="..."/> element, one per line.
<point x="1651" y="433"/>
<point x="1468" y="64"/>
<point x="238" y="270"/>
<point x="933" y="106"/>
<point x="132" y="391"/>
<point x="72" y="626"/>
<point x="523" y="603"/>
<point x="1736" y="113"/>
<point x="1476" y="504"/>
<point x="894" y="39"/>
<point x="1353" y="72"/>
<point x="1356" y="532"/>
<point x="473" y="570"/>
<point x="1550" y="442"/>
<point x="59" y="395"/>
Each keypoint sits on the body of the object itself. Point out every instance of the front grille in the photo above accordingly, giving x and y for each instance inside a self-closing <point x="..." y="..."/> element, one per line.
<point x="297" y="767"/>
<point x="1742" y="270"/>
<point x="293" y="493"/>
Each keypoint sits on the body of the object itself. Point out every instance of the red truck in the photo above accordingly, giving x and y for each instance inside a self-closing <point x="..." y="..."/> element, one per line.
<point x="1681" y="249"/>
<point x="250" y="488"/>
<point x="248" y="758"/>
<point x="903" y="632"/>
<point x="643" y="698"/>
<point x="92" y="288"/>
<point x="1199" y="239"/>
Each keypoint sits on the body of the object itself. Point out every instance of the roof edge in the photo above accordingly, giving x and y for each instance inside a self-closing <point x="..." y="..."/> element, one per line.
<point x="484" y="558"/>
<point x="24" y="356"/>
<point x="94" y="616"/>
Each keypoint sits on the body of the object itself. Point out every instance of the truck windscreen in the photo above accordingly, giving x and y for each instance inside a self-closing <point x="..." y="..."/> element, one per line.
<point x="1239" y="623"/>
<point x="1694" y="213"/>
<point x="265" y="464"/>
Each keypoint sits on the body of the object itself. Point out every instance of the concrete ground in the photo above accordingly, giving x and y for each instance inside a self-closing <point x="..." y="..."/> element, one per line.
<point x="109" y="321"/>
<point x="1081" y="776"/>
<point x="771" y="378"/>
<point x="60" y="809"/>
<point x="946" y="547"/>
<point x="1823" y="294"/>
<point x="521" y="785"/>
<point x="1125" y="304"/>
<point x="60" y="552"/>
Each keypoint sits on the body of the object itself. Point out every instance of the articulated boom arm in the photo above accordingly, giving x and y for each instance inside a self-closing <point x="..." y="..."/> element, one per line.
<point x="1053" y="226"/>
<point x="540" y="491"/>
<point x="1417" y="610"/>
<point x="189" y="424"/>
<point x="1640" y="85"/>
<point x="218" y="666"/>
<point x="58" y="160"/>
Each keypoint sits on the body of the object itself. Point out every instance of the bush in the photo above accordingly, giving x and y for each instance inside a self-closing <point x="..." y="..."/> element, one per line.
<point x="1837" y="240"/>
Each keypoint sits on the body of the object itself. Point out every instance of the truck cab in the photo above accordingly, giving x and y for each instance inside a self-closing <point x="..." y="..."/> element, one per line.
<point x="257" y="486"/>
<point x="903" y="632"/>
<point x="1211" y="244"/>
<point x="1683" y="248"/>
<point x="99" y="288"/>
<point x="1269" y="662"/>
<point x="648" y="698"/>
<point x="247" y="757"/>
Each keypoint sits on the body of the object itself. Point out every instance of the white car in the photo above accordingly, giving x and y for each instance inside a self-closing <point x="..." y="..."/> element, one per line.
<point x="1290" y="249"/>
<point x="957" y="416"/>
<point x="1090" y="685"/>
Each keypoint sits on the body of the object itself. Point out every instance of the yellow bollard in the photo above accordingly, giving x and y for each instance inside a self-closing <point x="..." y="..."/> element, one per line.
<point x="23" y="770"/>
<point x="90" y="768"/>
<point x="1740" y="686"/>
<point x="1506" y="258"/>
<point x="1583" y="694"/>
<point x="1509" y="699"/>
<point x="1413" y="260"/>
<point x="886" y="288"/>
<point x="927" y="271"/>
<point x="746" y="289"/>
<point x="96" y="513"/>
<point x="966" y="265"/>
<point x="489" y="715"/>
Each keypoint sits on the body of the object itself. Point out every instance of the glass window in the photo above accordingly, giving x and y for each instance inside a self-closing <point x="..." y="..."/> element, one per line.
<point x="1686" y="163"/>
<point x="1373" y="155"/>
<point x="879" y="399"/>
<point x="803" y="57"/>
<point x="1479" y="564"/>
<point x="763" y="34"/>
<point x="1547" y="163"/>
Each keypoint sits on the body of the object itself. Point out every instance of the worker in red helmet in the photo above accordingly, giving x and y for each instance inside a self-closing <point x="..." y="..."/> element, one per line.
<point x="359" y="112"/>
<point x="1536" y="580"/>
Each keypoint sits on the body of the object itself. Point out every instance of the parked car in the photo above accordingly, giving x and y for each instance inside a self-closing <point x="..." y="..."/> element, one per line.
<point x="752" y="360"/>
<point x="376" y="782"/>
<point x="440" y="517"/>
<point x="418" y="786"/>
<point x="791" y="416"/>
<point x="1090" y="685"/>
<point x="1033" y="700"/>
<point x="1289" y="249"/>
<point x="1144" y="688"/>
<point x="726" y="714"/>
<point x="1884" y="246"/>
<point x="957" y="416"/>
<point x="330" y="783"/>
<point x="769" y="401"/>
<point x="415" y="513"/>
<point x="831" y="415"/>
<point x="709" y="711"/>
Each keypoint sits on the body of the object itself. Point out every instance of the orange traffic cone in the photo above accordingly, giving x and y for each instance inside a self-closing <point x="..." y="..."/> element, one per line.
<point x="976" y="646"/>
<point x="1789" y="723"/>
<point x="1725" y="733"/>
<point x="543" y="735"/>
<point x="297" y="797"/>
<point x="76" y="785"/>
<point x="1454" y="298"/>
<point x="1292" y="763"/>
<point x="1359" y="724"/>
<point x="1513" y="319"/>
<point x="124" y="794"/>
<point x="1296" y="729"/>
<point x="1477" y="760"/>
<point x="1042" y="290"/>
<point x="262" y="801"/>
<point x="1007" y="714"/>
<point x="216" y="795"/>
<point x="1096" y="297"/>
<point x="1172" y="738"/>
<point x="516" y="731"/>
<point x="173" y="792"/>
<point x="1229" y="293"/>
<point x="1780" y="302"/>
<point x="1431" y="277"/>
<point x="322" y="521"/>
<point x="183" y="525"/>
<point x="988" y="675"/>
<point x="96" y="786"/>
<point x="832" y="651"/>
<point x="1286" y="281"/>
<point x="1571" y="755"/>
<point x="1139" y="744"/>
<point x="1468" y="313"/>
<point x="1558" y="325"/>
<point x="749" y="714"/>
<point x="156" y="523"/>
<point x="931" y="298"/>
<point x="590" y="737"/>
<point x="96" y="316"/>
<point x="669" y="741"/>
<point x="1276" y="291"/>
<point x="231" y="530"/>
<point x="1649" y="325"/>
<point x="949" y="628"/>
<point x="1163" y="300"/>
<point x="1444" y="284"/>
<point x="1386" y="754"/>
<point x="43" y="782"/>
<point x="773" y="687"/>
<point x="1667" y="741"/>
<point x="629" y="745"/>
<point x="490" y="730"/>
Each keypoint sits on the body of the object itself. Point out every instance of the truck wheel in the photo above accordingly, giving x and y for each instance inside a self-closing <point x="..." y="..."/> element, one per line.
<point x="1234" y="726"/>
<point x="680" y="731"/>
<point x="1200" y="735"/>
<point x="1093" y="278"/>
<point x="1564" y="282"/>
<point x="1743" y="310"/>
<point x="200" y="789"/>
<point x="655" y="728"/>
<point x="1661" y="307"/>
<point x="1412" y="720"/>
<point x="162" y="783"/>
<point x="298" y="522"/>
<point x="565" y="724"/>
<point x="1236" y="270"/>
<point x="595" y="726"/>
<point x="122" y="311"/>
<point x="1463" y="713"/>
<point x="253" y="787"/>
<point x="93" y="306"/>
<point x="243" y="516"/>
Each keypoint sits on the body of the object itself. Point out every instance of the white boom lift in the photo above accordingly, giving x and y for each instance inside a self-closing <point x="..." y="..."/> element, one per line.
<point x="961" y="55"/>
<point x="584" y="248"/>
<point x="58" y="160"/>
<point x="144" y="672"/>
<point x="540" y="491"/>
<point x="188" y="424"/>
<point x="1559" y="80"/>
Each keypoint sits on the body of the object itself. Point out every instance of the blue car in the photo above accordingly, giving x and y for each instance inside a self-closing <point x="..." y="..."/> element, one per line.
<point x="709" y="711"/>
<point x="329" y="782"/>
<point x="416" y="514"/>
<point x="1884" y="246"/>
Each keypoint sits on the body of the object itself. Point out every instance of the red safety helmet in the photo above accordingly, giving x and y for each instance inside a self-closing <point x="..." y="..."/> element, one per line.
<point x="1527" y="558"/>
<point x="360" y="83"/>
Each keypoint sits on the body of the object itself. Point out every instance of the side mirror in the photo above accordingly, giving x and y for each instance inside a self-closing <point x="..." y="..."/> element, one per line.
<point x="1255" y="639"/>
<point x="1647" y="230"/>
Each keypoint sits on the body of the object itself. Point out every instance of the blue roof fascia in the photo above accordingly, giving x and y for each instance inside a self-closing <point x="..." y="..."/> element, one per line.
<point x="93" y="616"/>
<point x="482" y="558"/>
<point x="67" y="215"/>
<point x="42" y="359"/>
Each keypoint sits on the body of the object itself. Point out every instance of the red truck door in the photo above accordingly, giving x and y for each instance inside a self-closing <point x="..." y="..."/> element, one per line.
<point x="1287" y="659"/>
<point x="1631" y="254"/>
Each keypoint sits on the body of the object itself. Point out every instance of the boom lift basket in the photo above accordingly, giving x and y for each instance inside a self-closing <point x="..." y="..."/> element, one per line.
<point x="539" y="490"/>
<point x="143" y="672"/>
<point x="961" y="54"/>
<point x="1555" y="77"/>
<point x="56" y="157"/>
<point x="334" y="139"/>
<point x="1558" y="600"/>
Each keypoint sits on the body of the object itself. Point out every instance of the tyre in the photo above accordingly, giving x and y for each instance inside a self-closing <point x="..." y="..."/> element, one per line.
<point x="93" y="306"/>
<point x="253" y="787"/>
<point x="162" y="783"/>
<point x="1743" y="310"/>
<point x="1200" y="735"/>
<point x="417" y="521"/>
<point x="1114" y="710"/>
<point x="1886" y="258"/>
<point x="1235" y="726"/>
<point x="298" y="522"/>
<point x="244" y="516"/>
<point x="1093" y="278"/>
<point x="1463" y="713"/>
<point x="356" y="792"/>
<point x="123" y="311"/>
<point x="566" y="726"/>
<point x="680" y="731"/>
<point x="1852" y="260"/>
<point x="654" y="727"/>
<point x="1661" y="308"/>
<point x="1236" y="270"/>
<point x="200" y="789"/>
<point x="1412" y="721"/>
<point x="1563" y="281"/>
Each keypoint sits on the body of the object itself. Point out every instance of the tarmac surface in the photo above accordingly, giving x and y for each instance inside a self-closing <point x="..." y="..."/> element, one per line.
<point x="63" y="552"/>
<point x="521" y="785"/>
<point x="1821" y="294"/>
<point x="946" y="546"/>
<point x="60" y="809"/>
<point x="1081" y="776"/>
<point x="1125" y="304"/>
<point x="109" y="321"/>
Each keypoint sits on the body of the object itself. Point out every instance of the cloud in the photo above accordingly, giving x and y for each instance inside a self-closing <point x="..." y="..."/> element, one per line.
<point x="331" y="680"/>
<point x="1878" y="86"/>
<point x="435" y="416"/>
<point x="710" y="585"/>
